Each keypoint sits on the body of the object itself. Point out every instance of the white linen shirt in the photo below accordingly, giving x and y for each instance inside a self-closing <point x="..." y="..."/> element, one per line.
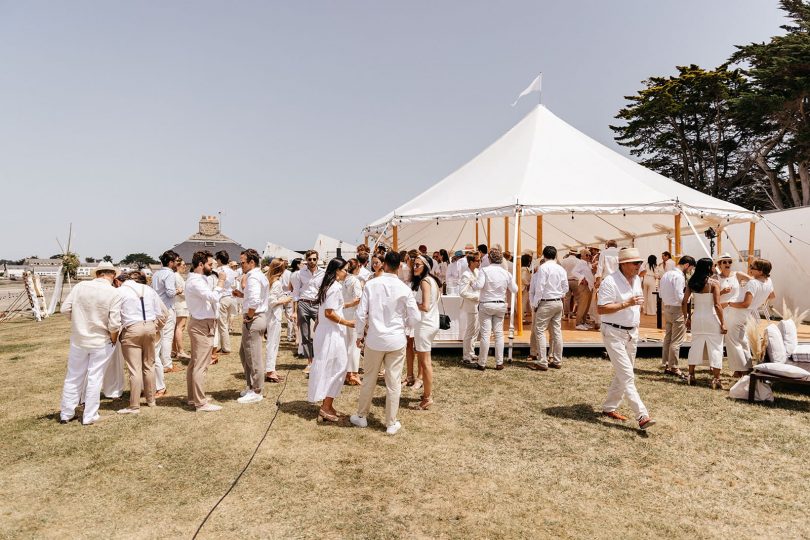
<point x="568" y="264"/>
<point x="608" y="262"/>
<point x="760" y="291"/>
<point x="469" y="295"/>
<point x="277" y="294"/>
<point x="387" y="307"/>
<point x="165" y="286"/>
<point x="307" y="285"/>
<point x="550" y="282"/>
<point x="131" y="309"/>
<point x="615" y="289"/>
<point x="202" y="302"/>
<point x="257" y="292"/>
<point x="231" y="278"/>
<point x="364" y="274"/>
<point x="94" y="308"/>
<point x="493" y="282"/>
<point x="583" y="271"/>
<point x="671" y="287"/>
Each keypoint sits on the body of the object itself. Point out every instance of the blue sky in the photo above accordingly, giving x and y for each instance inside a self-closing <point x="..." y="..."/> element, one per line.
<point x="131" y="119"/>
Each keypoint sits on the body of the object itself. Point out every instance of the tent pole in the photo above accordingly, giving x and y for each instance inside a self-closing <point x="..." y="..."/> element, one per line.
<point x="489" y="233"/>
<point x="395" y="241"/>
<point x="518" y="303"/>
<point x="506" y="230"/>
<point x="669" y="244"/>
<point x="752" y="231"/>
<point x="476" y="233"/>
<point x="719" y="240"/>
<point x="677" y="236"/>
<point x="539" y="236"/>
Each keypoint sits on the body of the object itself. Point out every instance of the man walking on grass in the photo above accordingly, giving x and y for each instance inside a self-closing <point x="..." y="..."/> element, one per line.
<point x="94" y="310"/>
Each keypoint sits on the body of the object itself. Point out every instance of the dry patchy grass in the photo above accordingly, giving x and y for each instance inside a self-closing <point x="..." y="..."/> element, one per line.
<point x="503" y="454"/>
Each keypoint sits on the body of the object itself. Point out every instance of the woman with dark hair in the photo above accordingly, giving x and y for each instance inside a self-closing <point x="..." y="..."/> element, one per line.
<point x="328" y="370"/>
<point x="351" y="290"/>
<point x="525" y="283"/>
<point x="426" y="289"/>
<point x="706" y="323"/>
<point x="650" y="274"/>
<point x="295" y="266"/>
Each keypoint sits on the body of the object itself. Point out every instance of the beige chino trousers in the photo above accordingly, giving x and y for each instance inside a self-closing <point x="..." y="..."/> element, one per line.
<point x="138" y="348"/>
<point x="393" y="361"/>
<point x="201" y="333"/>
<point x="675" y="332"/>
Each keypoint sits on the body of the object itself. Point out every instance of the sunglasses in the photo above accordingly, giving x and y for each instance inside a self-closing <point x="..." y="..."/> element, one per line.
<point x="725" y="263"/>
<point x="313" y="259"/>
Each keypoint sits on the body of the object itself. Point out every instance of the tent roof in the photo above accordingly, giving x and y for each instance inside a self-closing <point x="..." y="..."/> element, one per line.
<point x="326" y="244"/>
<point x="274" y="250"/>
<point x="545" y="166"/>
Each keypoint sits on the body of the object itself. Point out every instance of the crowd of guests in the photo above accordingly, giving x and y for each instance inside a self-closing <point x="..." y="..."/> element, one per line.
<point x="384" y="308"/>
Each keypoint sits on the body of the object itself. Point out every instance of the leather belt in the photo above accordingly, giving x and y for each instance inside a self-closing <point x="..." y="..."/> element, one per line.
<point x="620" y="327"/>
<point x="551" y="299"/>
<point x="311" y="302"/>
<point x="493" y="302"/>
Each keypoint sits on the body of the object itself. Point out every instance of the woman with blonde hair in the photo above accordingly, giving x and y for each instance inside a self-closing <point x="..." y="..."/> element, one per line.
<point x="278" y="299"/>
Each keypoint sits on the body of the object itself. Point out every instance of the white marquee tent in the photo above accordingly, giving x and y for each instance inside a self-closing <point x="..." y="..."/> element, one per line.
<point x="585" y="192"/>
<point x="274" y="250"/>
<point x="327" y="247"/>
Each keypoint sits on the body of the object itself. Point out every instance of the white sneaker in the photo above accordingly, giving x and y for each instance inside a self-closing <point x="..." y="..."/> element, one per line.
<point x="129" y="410"/>
<point x="359" y="421"/>
<point x="583" y="327"/>
<point x="209" y="407"/>
<point x="392" y="429"/>
<point x="95" y="419"/>
<point x="250" y="397"/>
<point x="244" y="392"/>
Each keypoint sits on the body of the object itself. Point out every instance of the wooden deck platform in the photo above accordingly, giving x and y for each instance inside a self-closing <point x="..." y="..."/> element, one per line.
<point x="649" y="336"/>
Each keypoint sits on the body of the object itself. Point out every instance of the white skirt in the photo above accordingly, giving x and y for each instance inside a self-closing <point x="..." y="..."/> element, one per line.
<point x="328" y="372"/>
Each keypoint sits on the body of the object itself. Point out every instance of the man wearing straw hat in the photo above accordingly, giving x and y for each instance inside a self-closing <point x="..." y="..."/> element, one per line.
<point x="94" y="310"/>
<point x="620" y="300"/>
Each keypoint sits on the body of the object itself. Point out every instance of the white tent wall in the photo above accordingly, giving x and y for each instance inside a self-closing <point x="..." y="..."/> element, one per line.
<point x="327" y="247"/>
<point x="274" y="250"/>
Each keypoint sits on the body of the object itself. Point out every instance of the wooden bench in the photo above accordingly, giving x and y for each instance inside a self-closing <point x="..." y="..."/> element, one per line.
<point x="754" y="377"/>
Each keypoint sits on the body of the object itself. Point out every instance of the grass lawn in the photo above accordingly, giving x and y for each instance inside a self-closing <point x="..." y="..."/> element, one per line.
<point x="513" y="453"/>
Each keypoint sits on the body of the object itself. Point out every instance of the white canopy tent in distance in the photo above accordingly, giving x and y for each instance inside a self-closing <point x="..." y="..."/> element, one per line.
<point x="546" y="183"/>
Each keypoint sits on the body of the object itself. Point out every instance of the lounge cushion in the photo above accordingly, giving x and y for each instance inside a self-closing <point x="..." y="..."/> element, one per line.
<point x="782" y="370"/>
<point x="802" y="353"/>
<point x="776" y="345"/>
<point x="791" y="337"/>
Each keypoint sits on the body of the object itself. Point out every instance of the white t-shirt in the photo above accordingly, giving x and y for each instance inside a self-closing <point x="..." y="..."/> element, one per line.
<point x="760" y="290"/>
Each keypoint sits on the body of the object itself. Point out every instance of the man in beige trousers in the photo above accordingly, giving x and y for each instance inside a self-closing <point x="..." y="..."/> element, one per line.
<point x="672" y="288"/>
<point x="203" y="308"/>
<point x="386" y="308"/>
<point x="256" y="300"/>
<point x="143" y="314"/>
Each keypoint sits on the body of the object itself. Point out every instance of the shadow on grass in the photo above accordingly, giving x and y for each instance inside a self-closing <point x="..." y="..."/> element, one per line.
<point x="583" y="412"/>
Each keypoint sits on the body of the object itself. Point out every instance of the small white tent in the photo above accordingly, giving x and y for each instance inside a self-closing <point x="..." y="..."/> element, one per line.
<point x="327" y="247"/>
<point x="274" y="251"/>
<point x="586" y="193"/>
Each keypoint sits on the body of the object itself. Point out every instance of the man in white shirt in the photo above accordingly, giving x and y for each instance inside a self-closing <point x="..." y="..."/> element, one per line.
<point x="165" y="285"/>
<point x="386" y="308"/>
<point x="568" y="263"/>
<point x="453" y="274"/>
<point x="228" y="306"/>
<point x="492" y="282"/>
<point x="468" y="319"/>
<point x="667" y="262"/>
<point x="671" y="288"/>
<point x="608" y="261"/>
<point x="620" y="299"/>
<point x="203" y="310"/>
<point x="483" y="254"/>
<point x="256" y="297"/>
<point x="142" y="316"/>
<point x="305" y="296"/>
<point x="550" y="288"/>
<point x="583" y="277"/>
<point x="94" y="310"/>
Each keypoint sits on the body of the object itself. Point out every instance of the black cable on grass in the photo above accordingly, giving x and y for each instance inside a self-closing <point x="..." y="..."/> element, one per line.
<point x="253" y="455"/>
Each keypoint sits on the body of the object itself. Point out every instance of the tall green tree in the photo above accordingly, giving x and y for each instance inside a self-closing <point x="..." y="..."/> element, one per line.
<point x="775" y="106"/>
<point x="140" y="259"/>
<point x="683" y="127"/>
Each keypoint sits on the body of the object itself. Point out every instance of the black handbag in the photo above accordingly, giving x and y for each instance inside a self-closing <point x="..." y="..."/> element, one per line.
<point x="444" y="320"/>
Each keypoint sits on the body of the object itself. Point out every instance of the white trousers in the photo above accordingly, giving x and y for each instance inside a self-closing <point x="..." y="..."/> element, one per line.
<point x="114" y="382"/>
<point x="288" y="312"/>
<point x="228" y="309"/>
<point x="273" y="339"/>
<point x="353" y="352"/>
<point x="490" y="320"/>
<point x="470" y="326"/>
<point x="621" y="346"/>
<point x="89" y="365"/>
<point x="163" y="346"/>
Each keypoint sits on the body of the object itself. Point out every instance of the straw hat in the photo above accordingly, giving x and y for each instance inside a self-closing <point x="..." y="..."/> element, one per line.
<point x="629" y="254"/>
<point x="104" y="265"/>
<point x="725" y="256"/>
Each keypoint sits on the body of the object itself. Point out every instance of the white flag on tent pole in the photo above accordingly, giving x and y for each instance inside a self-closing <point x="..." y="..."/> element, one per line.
<point x="533" y="87"/>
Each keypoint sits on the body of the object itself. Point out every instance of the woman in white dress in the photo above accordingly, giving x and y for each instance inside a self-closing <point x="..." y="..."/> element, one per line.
<point x="650" y="275"/>
<point x="427" y="291"/>
<point x="181" y="311"/>
<point x="277" y="301"/>
<point x="706" y="323"/>
<point x="328" y="369"/>
<point x="753" y="295"/>
<point x="525" y="283"/>
<point x="352" y="289"/>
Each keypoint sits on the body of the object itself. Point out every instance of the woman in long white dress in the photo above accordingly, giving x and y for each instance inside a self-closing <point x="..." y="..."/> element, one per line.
<point x="352" y="289"/>
<point x="328" y="369"/>
<point x="706" y="323"/>
<point x="649" y="284"/>
<point x="278" y="299"/>
<point x="753" y="295"/>
<point x="426" y="290"/>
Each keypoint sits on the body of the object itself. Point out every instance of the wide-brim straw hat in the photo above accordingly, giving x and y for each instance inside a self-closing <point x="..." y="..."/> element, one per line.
<point x="628" y="254"/>
<point x="725" y="257"/>
<point x="104" y="265"/>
